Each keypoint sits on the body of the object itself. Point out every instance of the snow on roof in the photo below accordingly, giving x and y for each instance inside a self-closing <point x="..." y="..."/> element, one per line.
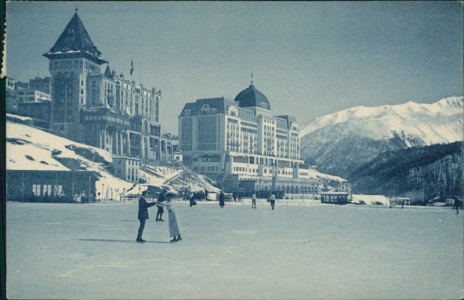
<point x="30" y="157"/>
<point x="46" y="140"/>
<point x="17" y="117"/>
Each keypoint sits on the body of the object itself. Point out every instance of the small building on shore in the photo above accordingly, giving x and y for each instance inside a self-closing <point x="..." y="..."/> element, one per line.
<point x="127" y="168"/>
<point x="334" y="197"/>
<point x="50" y="185"/>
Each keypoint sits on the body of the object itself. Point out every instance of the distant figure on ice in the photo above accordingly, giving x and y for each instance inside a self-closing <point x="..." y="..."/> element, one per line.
<point x="456" y="205"/>
<point x="253" y="200"/>
<point x="173" y="226"/>
<point x="143" y="214"/>
<point x="192" y="200"/>
<point x="221" y="199"/>
<point x="235" y="197"/>
<point x="206" y="195"/>
<point x="161" y="198"/>
<point x="272" y="199"/>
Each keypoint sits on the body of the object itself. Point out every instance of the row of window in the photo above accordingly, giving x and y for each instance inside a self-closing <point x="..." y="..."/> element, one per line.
<point x="207" y="168"/>
<point x="207" y="147"/>
<point x="107" y="118"/>
<point x="47" y="190"/>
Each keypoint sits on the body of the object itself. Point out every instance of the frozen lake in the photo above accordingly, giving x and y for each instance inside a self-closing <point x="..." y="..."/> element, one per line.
<point x="66" y="251"/>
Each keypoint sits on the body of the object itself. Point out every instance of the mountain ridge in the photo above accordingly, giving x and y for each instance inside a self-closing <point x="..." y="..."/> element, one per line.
<point x="380" y="122"/>
<point x="341" y="142"/>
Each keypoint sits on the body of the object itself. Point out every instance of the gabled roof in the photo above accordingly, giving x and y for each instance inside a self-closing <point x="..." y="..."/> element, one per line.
<point x="73" y="40"/>
<point x="219" y="105"/>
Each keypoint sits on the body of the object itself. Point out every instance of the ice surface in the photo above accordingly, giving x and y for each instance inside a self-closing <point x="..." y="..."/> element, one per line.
<point x="301" y="250"/>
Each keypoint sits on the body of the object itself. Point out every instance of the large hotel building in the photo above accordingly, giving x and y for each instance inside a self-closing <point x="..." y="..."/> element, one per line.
<point x="243" y="144"/>
<point x="102" y="108"/>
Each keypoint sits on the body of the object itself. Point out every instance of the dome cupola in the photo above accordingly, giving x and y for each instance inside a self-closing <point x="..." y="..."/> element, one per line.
<point x="251" y="97"/>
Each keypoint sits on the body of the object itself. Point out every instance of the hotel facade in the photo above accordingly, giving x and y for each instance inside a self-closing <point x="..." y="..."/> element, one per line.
<point x="94" y="105"/>
<point x="243" y="145"/>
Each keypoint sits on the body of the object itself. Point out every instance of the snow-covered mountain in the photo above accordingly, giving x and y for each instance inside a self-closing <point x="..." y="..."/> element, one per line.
<point x="339" y="142"/>
<point x="435" y="123"/>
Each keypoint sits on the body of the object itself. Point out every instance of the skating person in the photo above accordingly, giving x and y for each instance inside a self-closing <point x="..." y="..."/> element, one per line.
<point x="173" y="226"/>
<point x="457" y="203"/>
<point x="143" y="214"/>
<point x="253" y="200"/>
<point x="221" y="199"/>
<point x="272" y="199"/>
<point x="161" y="198"/>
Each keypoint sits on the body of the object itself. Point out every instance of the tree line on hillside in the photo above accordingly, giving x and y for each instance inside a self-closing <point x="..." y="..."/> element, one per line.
<point x="344" y="155"/>
<point x="420" y="172"/>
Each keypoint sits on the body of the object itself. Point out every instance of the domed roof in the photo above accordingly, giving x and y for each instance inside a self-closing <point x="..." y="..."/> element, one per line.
<point x="250" y="97"/>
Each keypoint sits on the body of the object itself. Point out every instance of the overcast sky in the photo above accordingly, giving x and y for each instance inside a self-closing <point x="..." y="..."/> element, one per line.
<point x="308" y="58"/>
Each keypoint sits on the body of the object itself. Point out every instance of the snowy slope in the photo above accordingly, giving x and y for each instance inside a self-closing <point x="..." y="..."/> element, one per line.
<point x="29" y="148"/>
<point x="414" y="123"/>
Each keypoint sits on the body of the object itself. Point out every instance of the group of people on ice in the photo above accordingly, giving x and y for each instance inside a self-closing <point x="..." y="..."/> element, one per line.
<point x="164" y="200"/>
<point x="271" y="198"/>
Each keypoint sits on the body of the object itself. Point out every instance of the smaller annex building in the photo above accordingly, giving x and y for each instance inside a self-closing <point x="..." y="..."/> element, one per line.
<point x="50" y="185"/>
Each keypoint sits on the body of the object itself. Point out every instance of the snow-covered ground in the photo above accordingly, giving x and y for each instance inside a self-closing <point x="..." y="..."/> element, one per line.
<point x="303" y="250"/>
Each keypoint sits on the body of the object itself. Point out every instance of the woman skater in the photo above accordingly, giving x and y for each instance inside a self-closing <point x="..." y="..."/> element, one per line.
<point x="173" y="226"/>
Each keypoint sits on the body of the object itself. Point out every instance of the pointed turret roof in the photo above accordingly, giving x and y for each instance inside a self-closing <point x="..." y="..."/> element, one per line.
<point x="75" y="39"/>
<point x="108" y="72"/>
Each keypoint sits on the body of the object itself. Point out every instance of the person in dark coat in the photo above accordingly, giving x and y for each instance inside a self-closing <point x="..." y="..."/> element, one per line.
<point x="221" y="199"/>
<point x="457" y="203"/>
<point x="192" y="201"/>
<point x="272" y="199"/>
<point x="143" y="215"/>
<point x="161" y="198"/>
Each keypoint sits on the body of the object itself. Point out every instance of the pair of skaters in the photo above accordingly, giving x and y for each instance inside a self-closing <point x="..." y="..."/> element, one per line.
<point x="143" y="215"/>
